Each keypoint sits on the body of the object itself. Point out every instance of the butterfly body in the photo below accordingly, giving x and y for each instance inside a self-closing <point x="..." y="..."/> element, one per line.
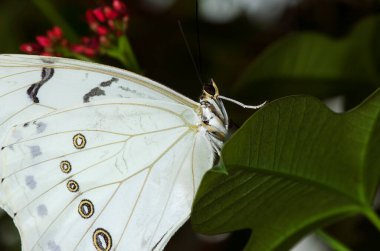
<point x="97" y="158"/>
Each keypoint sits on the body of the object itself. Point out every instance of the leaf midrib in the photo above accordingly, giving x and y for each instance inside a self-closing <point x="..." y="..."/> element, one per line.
<point x="300" y="179"/>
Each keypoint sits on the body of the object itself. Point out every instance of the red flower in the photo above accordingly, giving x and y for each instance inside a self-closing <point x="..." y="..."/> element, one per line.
<point x="43" y="41"/>
<point x="48" y="44"/>
<point x="98" y="13"/>
<point x="31" y="48"/>
<point x="108" y="22"/>
<point x="90" y="17"/>
<point x="119" y="6"/>
<point x="89" y="47"/>
<point x="110" y="13"/>
<point x="81" y="49"/>
<point x="102" y="30"/>
<point x="55" y="33"/>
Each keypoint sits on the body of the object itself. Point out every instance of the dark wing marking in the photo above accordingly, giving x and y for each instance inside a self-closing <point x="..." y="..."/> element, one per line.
<point x="109" y="82"/>
<point x="94" y="92"/>
<point x="98" y="91"/>
<point x="46" y="75"/>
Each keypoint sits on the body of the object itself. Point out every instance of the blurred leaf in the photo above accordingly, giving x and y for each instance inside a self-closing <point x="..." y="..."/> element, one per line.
<point x="293" y="167"/>
<point x="311" y="63"/>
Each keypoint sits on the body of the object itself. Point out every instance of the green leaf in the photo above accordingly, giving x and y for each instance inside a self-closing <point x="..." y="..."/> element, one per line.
<point x="312" y="63"/>
<point x="293" y="167"/>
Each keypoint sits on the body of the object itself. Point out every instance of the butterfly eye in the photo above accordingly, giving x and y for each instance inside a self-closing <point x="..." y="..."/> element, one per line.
<point x="102" y="240"/>
<point x="65" y="166"/>
<point x="79" y="141"/>
<point x="73" y="186"/>
<point x="86" y="209"/>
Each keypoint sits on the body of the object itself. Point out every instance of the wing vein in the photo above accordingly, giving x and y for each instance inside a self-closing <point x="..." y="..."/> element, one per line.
<point x="167" y="201"/>
<point x="146" y="178"/>
<point x="87" y="149"/>
<point x="15" y="114"/>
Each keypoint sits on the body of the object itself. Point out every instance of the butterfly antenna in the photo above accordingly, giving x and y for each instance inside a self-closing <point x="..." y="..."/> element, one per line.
<point x="190" y="54"/>
<point x="241" y="104"/>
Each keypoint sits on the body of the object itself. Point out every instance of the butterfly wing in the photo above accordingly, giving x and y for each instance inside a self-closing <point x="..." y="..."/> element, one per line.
<point x="36" y="85"/>
<point x="118" y="174"/>
<point x="104" y="175"/>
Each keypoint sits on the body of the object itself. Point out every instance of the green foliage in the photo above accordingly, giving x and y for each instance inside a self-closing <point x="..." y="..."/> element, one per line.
<point x="294" y="166"/>
<point x="312" y="63"/>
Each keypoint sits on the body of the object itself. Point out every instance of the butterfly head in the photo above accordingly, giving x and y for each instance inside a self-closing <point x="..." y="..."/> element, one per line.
<point x="213" y="115"/>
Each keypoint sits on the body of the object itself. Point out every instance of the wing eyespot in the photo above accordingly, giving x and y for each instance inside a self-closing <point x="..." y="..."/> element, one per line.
<point x="102" y="240"/>
<point x="65" y="166"/>
<point x="86" y="209"/>
<point x="79" y="141"/>
<point x="73" y="186"/>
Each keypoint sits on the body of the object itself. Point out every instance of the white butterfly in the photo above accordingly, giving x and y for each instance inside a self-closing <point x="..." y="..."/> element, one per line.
<point x="97" y="158"/>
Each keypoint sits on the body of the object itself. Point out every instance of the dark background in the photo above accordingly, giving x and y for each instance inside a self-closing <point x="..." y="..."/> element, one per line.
<point x="227" y="48"/>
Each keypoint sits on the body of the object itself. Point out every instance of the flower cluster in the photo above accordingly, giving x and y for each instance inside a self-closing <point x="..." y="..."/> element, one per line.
<point x="46" y="45"/>
<point x="107" y="22"/>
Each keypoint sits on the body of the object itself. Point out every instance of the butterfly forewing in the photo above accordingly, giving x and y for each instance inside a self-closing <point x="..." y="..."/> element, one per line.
<point x="37" y="85"/>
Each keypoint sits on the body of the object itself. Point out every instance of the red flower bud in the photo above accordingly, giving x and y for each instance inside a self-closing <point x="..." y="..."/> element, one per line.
<point x="98" y="13"/>
<point x="77" y="48"/>
<point x="119" y="6"/>
<point x="90" y="17"/>
<point x="102" y="30"/>
<point x="30" y="48"/>
<point x="43" y="41"/>
<point x="110" y="13"/>
<point x="89" y="52"/>
<point x="55" y="33"/>
<point x="82" y="49"/>
<point x="92" y="42"/>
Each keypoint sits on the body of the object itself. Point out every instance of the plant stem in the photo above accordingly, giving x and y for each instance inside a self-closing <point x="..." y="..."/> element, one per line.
<point x="48" y="9"/>
<point x="373" y="218"/>
<point x="332" y="242"/>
